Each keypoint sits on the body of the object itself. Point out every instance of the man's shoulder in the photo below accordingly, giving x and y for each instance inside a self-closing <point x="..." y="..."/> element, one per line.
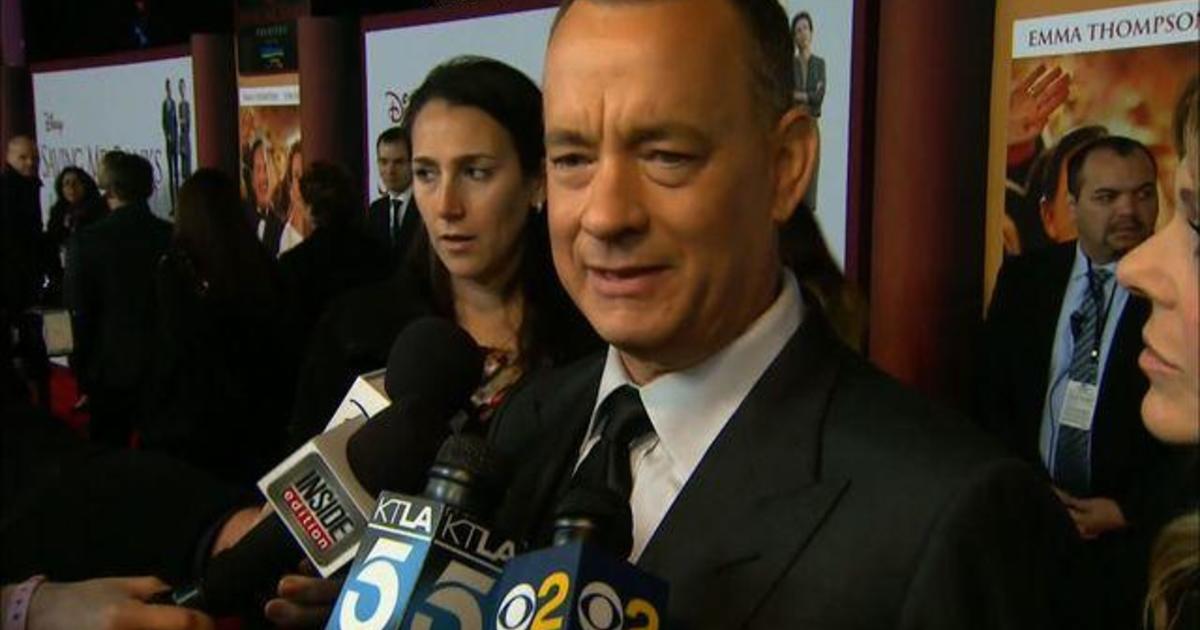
<point x="905" y="435"/>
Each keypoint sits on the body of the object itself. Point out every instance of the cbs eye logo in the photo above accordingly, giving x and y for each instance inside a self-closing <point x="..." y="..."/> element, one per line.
<point x="599" y="607"/>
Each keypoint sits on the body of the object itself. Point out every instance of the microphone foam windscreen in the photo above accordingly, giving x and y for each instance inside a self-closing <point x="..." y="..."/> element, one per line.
<point x="394" y="449"/>
<point x="434" y="360"/>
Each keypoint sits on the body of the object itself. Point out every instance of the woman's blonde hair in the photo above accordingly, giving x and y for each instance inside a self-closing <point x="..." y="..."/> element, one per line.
<point x="1174" y="562"/>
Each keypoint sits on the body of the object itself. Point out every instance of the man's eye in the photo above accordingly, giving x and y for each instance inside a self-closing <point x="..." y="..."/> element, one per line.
<point x="568" y="161"/>
<point x="423" y="174"/>
<point x="672" y="159"/>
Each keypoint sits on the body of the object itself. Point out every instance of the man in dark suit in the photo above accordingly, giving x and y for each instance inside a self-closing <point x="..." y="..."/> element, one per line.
<point x="393" y="219"/>
<point x="110" y="290"/>
<point x="267" y="226"/>
<point x="170" y="127"/>
<point x="1064" y="389"/>
<point x="776" y="480"/>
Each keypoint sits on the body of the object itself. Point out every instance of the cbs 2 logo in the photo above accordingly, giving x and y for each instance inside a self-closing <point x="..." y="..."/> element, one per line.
<point x="456" y="592"/>
<point x="599" y="607"/>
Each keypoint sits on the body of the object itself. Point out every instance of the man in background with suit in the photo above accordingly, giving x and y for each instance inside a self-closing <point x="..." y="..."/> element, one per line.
<point x="267" y="226"/>
<point x="808" y="70"/>
<point x="776" y="480"/>
<point x="170" y="127"/>
<point x="185" y="133"/>
<point x="110" y="290"/>
<point x="1064" y="389"/>
<point x="393" y="218"/>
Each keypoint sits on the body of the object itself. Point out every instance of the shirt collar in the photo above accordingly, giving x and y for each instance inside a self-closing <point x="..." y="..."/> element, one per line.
<point x="1079" y="270"/>
<point x="689" y="408"/>
<point x="401" y="197"/>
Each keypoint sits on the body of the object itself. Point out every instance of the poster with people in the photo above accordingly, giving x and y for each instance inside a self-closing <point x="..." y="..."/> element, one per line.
<point x="1065" y="80"/>
<point x="823" y="34"/>
<point x="142" y="106"/>
<point x="271" y="160"/>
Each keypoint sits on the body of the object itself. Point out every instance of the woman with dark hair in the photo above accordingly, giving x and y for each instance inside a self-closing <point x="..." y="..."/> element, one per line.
<point x="77" y="204"/>
<point x="337" y="254"/>
<point x="222" y="359"/>
<point x="483" y="260"/>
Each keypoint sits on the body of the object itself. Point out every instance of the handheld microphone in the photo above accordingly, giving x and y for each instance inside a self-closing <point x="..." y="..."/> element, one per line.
<point x="428" y="562"/>
<point x="322" y="493"/>
<point x="583" y="581"/>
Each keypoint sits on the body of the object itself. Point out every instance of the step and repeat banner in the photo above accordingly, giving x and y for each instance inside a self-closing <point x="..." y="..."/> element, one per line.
<point x="398" y="56"/>
<point x="1064" y="76"/>
<point x="143" y="107"/>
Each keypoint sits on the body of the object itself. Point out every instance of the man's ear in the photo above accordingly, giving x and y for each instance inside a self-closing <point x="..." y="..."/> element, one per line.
<point x="796" y="145"/>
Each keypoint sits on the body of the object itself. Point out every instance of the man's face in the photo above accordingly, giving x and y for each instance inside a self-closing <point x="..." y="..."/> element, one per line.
<point x="1117" y="203"/>
<point x="803" y="34"/>
<point x="262" y="182"/>
<point x="22" y="156"/>
<point x="663" y="178"/>
<point x="395" y="169"/>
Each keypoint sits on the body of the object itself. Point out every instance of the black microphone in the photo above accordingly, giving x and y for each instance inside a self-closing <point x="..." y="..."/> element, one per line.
<point x="583" y="581"/>
<point x="324" y="491"/>
<point x="429" y="561"/>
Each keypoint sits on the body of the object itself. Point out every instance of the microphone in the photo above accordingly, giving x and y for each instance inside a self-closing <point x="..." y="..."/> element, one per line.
<point x="583" y="581"/>
<point x="323" y="492"/>
<point x="428" y="561"/>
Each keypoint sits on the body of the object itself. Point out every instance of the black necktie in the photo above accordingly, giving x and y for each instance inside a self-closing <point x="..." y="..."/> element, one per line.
<point x="623" y="419"/>
<point x="395" y="220"/>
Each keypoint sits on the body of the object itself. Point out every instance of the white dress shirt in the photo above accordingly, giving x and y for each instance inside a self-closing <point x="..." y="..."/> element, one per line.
<point x="399" y="200"/>
<point x="289" y="238"/>
<point x="689" y="408"/>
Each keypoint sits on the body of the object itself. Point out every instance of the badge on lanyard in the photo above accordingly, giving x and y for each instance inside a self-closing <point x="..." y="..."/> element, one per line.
<point x="1079" y="405"/>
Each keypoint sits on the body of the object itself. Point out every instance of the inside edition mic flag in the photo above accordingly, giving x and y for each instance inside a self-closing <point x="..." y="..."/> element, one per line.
<point x="428" y="562"/>
<point x="582" y="582"/>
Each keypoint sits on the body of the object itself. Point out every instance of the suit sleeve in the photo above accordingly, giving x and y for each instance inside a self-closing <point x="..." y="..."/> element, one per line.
<point x="816" y="91"/>
<point x="995" y="398"/>
<point x="80" y="292"/>
<point x="1002" y="555"/>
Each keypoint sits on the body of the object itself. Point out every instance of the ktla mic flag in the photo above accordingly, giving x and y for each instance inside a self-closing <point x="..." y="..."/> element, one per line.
<point x="145" y="108"/>
<point x="397" y="60"/>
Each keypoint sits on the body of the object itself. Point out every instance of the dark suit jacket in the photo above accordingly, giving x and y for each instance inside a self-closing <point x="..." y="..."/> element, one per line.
<point x="353" y="336"/>
<point x="833" y="498"/>
<point x="110" y="290"/>
<point x="1020" y="339"/>
<point x="271" y="232"/>
<point x="330" y="262"/>
<point x="379" y="226"/>
<point x="814" y="87"/>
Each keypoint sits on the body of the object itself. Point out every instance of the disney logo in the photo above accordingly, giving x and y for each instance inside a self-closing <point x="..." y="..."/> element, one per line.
<point x="52" y="123"/>
<point x="397" y="104"/>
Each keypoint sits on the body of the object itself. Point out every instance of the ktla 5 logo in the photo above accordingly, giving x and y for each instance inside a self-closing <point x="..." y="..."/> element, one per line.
<point x="599" y="607"/>
<point x="379" y="587"/>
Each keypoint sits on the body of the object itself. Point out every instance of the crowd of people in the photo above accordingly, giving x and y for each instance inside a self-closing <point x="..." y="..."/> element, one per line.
<point x="632" y="247"/>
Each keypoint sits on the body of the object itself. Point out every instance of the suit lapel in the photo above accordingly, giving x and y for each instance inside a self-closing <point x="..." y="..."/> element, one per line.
<point x="561" y="420"/>
<point x="756" y="499"/>
<point x="1046" y="302"/>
